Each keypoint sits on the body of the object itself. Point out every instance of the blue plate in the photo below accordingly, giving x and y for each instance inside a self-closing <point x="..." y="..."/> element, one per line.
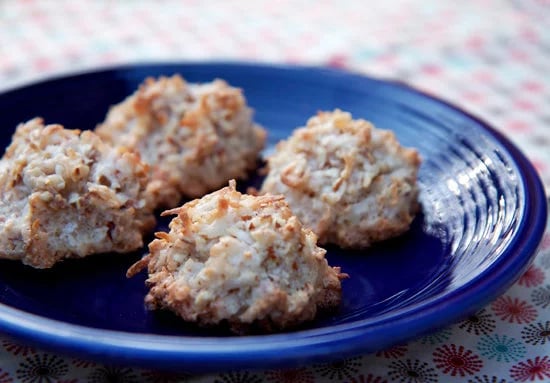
<point x="484" y="213"/>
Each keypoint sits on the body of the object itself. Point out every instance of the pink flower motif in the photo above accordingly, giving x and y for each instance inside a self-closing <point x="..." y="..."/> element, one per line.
<point x="519" y="55"/>
<point x="525" y="104"/>
<point x="475" y="43"/>
<point x="431" y="69"/>
<point x="533" y="86"/>
<point x="514" y="310"/>
<point x="473" y="96"/>
<point x="545" y="242"/>
<point x="393" y="352"/>
<point x="518" y="126"/>
<point x="532" y="277"/>
<point x="454" y="360"/>
<point x="484" y="76"/>
<point x="338" y="61"/>
<point x="539" y="165"/>
<point x="531" y="369"/>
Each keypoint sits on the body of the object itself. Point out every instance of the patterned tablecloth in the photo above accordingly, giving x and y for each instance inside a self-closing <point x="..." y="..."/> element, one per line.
<point x="491" y="57"/>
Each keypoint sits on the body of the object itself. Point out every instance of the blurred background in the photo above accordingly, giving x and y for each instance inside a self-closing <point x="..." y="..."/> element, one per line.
<point x="489" y="57"/>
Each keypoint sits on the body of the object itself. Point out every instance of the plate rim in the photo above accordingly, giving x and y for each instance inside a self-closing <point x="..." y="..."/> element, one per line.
<point x="200" y="354"/>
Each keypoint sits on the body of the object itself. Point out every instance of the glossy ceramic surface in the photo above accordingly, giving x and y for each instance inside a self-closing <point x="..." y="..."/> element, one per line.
<point x="483" y="216"/>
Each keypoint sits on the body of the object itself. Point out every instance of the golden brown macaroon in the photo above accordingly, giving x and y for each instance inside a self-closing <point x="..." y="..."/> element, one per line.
<point x="195" y="137"/>
<point x="351" y="183"/>
<point x="64" y="193"/>
<point x="242" y="260"/>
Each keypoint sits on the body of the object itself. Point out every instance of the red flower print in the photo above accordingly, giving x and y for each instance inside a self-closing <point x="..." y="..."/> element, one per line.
<point x="456" y="360"/>
<point x="532" y="277"/>
<point x="5" y="377"/>
<point x="17" y="349"/>
<point x="83" y="363"/>
<point x="514" y="310"/>
<point x="338" y="61"/>
<point x="393" y="352"/>
<point x="531" y="369"/>
<point x="294" y="375"/>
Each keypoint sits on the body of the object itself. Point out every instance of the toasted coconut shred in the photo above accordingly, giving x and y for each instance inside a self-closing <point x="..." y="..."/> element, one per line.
<point x="196" y="137"/>
<point x="64" y="193"/>
<point x="351" y="183"/>
<point x="239" y="259"/>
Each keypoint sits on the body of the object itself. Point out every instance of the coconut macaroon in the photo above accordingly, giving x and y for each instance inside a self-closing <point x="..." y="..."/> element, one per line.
<point x="64" y="193"/>
<point x="351" y="183"/>
<point x="196" y="137"/>
<point x="242" y="260"/>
